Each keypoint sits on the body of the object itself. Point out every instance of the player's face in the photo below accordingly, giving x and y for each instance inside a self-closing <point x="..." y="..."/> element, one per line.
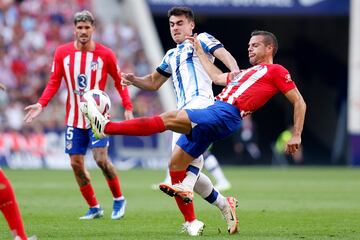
<point x="83" y="32"/>
<point x="258" y="52"/>
<point x="180" y="27"/>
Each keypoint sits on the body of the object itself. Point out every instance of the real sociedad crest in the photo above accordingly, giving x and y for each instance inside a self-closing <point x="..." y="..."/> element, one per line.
<point x="82" y="81"/>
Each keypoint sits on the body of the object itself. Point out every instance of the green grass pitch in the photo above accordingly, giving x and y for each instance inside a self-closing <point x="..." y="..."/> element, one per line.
<point x="275" y="203"/>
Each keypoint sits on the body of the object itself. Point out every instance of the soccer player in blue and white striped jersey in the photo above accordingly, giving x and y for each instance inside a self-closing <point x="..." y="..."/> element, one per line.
<point x="193" y="89"/>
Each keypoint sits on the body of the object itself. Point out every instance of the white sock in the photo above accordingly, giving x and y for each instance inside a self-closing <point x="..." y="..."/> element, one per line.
<point x="206" y="190"/>
<point x="212" y="165"/>
<point x="119" y="198"/>
<point x="192" y="172"/>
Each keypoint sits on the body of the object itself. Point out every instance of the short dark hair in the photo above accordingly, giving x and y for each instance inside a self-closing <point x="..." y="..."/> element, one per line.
<point x="269" y="38"/>
<point x="180" y="11"/>
<point x="84" y="16"/>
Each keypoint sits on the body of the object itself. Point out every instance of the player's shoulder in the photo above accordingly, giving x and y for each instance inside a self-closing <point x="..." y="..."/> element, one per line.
<point x="204" y="36"/>
<point x="277" y="67"/>
<point x="65" y="47"/>
<point x="170" y="52"/>
<point x="102" y="47"/>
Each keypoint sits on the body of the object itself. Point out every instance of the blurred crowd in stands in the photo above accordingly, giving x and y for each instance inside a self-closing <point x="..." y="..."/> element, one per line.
<point x="30" y="32"/>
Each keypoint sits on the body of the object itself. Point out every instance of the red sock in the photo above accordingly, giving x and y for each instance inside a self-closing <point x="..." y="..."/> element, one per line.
<point x="10" y="208"/>
<point x="114" y="186"/>
<point x="186" y="209"/>
<point x="88" y="193"/>
<point x="143" y="126"/>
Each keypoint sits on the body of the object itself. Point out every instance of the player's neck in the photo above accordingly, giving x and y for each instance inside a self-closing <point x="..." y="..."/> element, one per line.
<point x="266" y="61"/>
<point x="89" y="46"/>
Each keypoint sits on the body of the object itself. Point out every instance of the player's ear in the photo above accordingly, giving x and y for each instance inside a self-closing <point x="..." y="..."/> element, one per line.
<point x="270" y="48"/>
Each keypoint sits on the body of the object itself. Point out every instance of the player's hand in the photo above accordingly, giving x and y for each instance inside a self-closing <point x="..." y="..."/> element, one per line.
<point x="128" y="115"/>
<point x="33" y="111"/>
<point x="293" y="145"/>
<point x="196" y="43"/>
<point x="2" y="87"/>
<point x="127" y="79"/>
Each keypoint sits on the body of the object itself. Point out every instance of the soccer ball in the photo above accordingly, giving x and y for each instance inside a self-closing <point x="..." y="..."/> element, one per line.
<point x="99" y="98"/>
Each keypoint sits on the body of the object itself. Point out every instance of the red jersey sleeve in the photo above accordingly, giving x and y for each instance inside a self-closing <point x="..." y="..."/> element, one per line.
<point x="115" y="73"/>
<point x="283" y="79"/>
<point x="55" y="80"/>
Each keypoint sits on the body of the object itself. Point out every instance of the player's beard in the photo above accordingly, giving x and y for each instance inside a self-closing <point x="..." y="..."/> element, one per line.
<point x="83" y="39"/>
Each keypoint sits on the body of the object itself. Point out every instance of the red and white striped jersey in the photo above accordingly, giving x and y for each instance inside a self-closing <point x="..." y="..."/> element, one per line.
<point x="251" y="88"/>
<point x="82" y="71"/>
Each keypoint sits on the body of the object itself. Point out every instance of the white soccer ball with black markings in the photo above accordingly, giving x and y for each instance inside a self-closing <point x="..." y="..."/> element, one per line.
<point x="100" y="99"/>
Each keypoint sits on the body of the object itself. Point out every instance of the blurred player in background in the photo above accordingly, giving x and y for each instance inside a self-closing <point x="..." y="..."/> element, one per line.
<point x="245" y="140"/>
<point x="9" y="206"/>
<point x="244" y="92"/>
<point x="84" y="64"/>
<point x="279" y="156"/>
<point x="193" y="89"/>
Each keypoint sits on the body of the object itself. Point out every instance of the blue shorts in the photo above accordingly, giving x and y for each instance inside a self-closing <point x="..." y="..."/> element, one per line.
<point x="78" y="140"/>
<point x="211" y="124"/>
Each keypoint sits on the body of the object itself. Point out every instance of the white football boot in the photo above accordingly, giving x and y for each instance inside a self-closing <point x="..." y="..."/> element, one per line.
<point x="229" y="213"/>
<point x="97" y="120"/>
<point x="177" y="190"/>
<point x="193" y="228"/>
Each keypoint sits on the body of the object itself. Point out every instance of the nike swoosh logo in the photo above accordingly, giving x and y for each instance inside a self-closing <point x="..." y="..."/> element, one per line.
<point x="309" y="3"/>
<point x="232" y="217"/>
<point x="94" y="142"/>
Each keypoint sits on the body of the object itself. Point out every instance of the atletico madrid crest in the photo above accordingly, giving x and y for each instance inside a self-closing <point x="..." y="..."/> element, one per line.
<point x="94" y="65"/>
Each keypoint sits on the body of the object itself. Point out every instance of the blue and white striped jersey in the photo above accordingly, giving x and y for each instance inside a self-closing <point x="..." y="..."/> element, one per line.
<point x="183" y="66"/>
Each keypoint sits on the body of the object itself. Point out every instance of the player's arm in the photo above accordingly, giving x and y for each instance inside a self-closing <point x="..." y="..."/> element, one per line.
<point x="225" y="56"/>
<point x="216" y="75"/>
<point x="49" y="92"/>
<point x="115" y="73"/>
<point x="299" y="105"/>
<point x="151" y="82"/>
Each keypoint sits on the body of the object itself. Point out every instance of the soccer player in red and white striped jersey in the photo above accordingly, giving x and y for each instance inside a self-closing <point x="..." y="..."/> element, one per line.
<point x="245" y="92"/>
<point x="85" y="64"/>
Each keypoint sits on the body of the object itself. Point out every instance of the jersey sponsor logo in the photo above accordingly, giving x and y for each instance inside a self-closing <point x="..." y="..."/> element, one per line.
<point x="82" y="81"/>
<point x="94" y="65"/>
<point x="288" y="78"/>
<point x="95" y="142"/>
<point x="309" y="3"/>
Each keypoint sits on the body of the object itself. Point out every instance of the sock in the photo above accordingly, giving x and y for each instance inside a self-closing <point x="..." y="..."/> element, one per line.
<point x="167" y="177"/>
<point x="9" y="207"/>
<point x="88" y="193"/>
<point x="192" y="172"/>
<point x="212" y="165"/>
<point x="143" y="126"/>
<point x="114" y="186"/>
<point x="206" y="190"/>
<point x="187" y="210"/>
